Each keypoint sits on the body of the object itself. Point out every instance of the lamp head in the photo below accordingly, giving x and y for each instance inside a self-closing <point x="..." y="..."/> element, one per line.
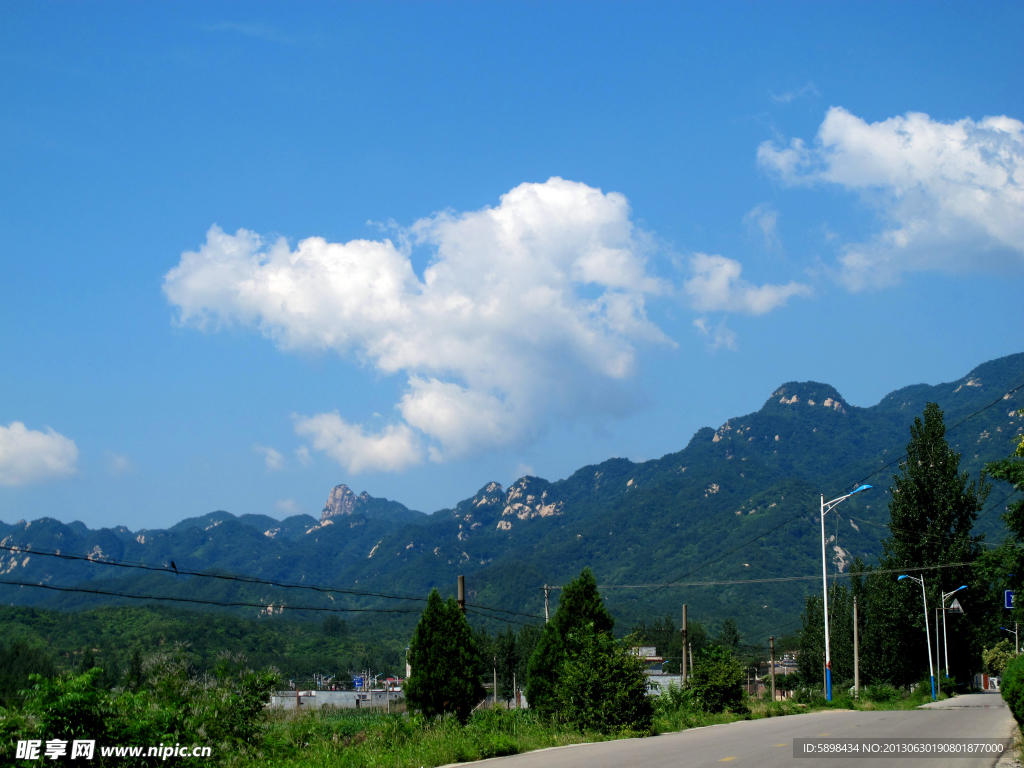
<point x="860" y="488"/>
<point x="901" y="578"/>
<point x="959" y="588"/>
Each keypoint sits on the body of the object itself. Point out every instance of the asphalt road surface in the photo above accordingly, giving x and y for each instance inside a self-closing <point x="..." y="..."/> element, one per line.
<point x="768" y="743"/>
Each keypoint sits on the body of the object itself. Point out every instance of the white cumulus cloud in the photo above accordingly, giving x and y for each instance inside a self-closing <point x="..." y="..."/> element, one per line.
<point x="716" y="285"/>
<point x="951" y="194"/>
<point x="29" y="456"/>
<point x="527" y="310"/>
<point x="392" y="449"/>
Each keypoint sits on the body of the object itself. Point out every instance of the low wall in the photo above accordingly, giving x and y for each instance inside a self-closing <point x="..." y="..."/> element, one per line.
<point x="337" y="699"/>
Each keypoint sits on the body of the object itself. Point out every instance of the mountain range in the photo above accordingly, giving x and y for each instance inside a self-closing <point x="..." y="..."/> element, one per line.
<point x="737" y="504"/>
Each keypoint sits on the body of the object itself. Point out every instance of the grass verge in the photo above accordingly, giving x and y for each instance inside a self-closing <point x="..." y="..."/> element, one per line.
<point x="354" y="739"/>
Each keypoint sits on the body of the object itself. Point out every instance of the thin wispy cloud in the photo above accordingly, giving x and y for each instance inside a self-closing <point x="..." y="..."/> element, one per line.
<point x="788" y="96"/>
<point x="254" y="30"/>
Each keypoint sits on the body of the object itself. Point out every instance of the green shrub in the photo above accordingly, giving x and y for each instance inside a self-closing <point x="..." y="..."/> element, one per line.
<point x="883" y="693"/>
<point x="602" y="686"/>
<point x="677" y="699"/>
<point x="1012" y="686"/>
<point x="717" y="681"/>
<point x="996" y="658"/>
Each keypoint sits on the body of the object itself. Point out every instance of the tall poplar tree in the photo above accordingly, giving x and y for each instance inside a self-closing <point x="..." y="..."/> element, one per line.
<point x="444" y="660"/>
<point x="932" y="513"/>
<point x="579" y="605"/>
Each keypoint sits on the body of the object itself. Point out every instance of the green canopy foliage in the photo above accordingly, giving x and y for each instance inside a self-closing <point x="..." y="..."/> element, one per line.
<point x="602" y="686"/>
<point x="445" y="662"/>
<point x="579" y="605"/>
<point x="717" y="680"/>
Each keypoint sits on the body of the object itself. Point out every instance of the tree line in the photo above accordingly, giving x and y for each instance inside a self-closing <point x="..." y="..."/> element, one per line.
<point x="933" y="509"/>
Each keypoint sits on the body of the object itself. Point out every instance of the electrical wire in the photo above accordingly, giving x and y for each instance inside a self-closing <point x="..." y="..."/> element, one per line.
<point x="243" y="579"/>
<point x="802" y="513"/>
<point x="502" y="610"/>
<point x="204" y="602"/>
<point x="500" y="618"/>
<point x="206" y="574"/>
<point x="779" y="578"/>
<point x="364" y="593"/>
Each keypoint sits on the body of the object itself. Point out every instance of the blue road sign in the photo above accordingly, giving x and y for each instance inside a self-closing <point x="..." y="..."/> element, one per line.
<point x="357" y="682"/>
<point x="1008" y="599"/>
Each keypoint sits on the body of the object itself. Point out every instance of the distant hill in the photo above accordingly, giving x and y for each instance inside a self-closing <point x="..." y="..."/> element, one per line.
<point x="633" y="523"/>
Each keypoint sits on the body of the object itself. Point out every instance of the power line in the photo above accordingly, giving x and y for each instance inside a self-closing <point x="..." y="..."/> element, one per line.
<point x="935" y="535"/>
<point x="204" y="602"/>
<point x="502" y="610"/>
<point x="859" y="482"/>
<point x="777" y="578"/>
<point x="206" y="574"/>
<point x="500" y="618"/>
<point x="242" y="579"/>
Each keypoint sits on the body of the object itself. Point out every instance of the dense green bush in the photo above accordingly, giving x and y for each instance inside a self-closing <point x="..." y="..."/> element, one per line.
<point x="18" y="660"/>
<point x="602" y="686"/>
<point x="1012" y="686"/>
<point x="883" y="693"/>
<point x="579" y="605"/>
<point x="444" y="660"/>
<point x="225" y="711"/>
<point x="717" y="681"/>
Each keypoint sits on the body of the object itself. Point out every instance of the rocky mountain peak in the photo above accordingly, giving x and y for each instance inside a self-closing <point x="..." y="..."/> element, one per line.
<point x="341" y="502"/>
<point x="808" y="394"/>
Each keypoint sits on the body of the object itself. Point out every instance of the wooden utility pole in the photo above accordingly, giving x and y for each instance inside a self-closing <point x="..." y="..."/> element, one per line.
<point x="682" y="674"/>
<point x="462" y="593"/>
<point x="547" y="614"/>
<point x="856" y="653"/>
<point x="771" y="643"/>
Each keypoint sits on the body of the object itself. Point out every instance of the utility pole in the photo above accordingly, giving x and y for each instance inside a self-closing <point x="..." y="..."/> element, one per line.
<point x="495" y="681"/>
<point x="462" y="593"/>
<point x="682" y="675"/>
<point x="547" y="615"/>
<point x="689" y="646"/>
<point x="771" y="644"/>
<point x="856" y="653"/>
<point x="938" y="655"/>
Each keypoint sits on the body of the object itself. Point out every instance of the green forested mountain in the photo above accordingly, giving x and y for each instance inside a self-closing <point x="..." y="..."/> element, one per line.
<point x="682" y="517"/>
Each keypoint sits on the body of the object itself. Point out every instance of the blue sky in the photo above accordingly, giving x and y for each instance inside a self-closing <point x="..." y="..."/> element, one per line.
<point x="517" y="237"/>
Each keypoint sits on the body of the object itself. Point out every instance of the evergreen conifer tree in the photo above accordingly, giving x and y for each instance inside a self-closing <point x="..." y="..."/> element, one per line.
<point x="579" y="605"/>
<point x="932" y="510"/>
<point x="444" y="660"/>
<point x="729" y="637"/>
<point x="1010" y="558"/>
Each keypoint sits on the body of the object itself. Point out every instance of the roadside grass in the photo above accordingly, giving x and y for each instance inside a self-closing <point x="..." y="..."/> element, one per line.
<point x="346" y="738"/>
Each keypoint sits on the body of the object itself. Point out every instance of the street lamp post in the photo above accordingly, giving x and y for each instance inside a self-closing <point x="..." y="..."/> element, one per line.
<point x="945" y="644"/>
<point x="1016" y="641"/>
<point x="827" y="506"/>
<point x="927" y="633"/>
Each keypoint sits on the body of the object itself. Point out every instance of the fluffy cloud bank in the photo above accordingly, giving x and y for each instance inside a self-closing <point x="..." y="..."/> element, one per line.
<point x="29" y="456"/>
<point x="952" y="194"/>
<point x="528" y="311"/>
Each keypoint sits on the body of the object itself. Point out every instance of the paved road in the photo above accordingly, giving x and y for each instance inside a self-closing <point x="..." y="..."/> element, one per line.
<point x="768" y="743"/>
